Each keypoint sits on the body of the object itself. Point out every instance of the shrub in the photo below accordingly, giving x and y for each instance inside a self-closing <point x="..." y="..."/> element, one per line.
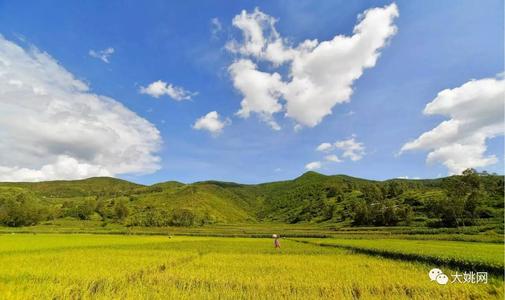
<point x="121" y="210"/>
<point x="182" y="217"/>
<point x="19" y="208"/>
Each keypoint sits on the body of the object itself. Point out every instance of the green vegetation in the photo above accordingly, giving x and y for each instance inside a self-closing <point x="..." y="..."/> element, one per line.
<point x="464" y="255"/>
<point x="381" y="238"/>
<point x="471" y="200"/>
<point x="101" y="186"/>
<point x="454" y="201"/>
<point x="158" y="267"/>
<point x="19" y="207"/>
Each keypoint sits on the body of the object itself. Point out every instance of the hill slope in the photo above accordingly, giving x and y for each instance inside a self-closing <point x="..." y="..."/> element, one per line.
<point x="312" y="197"/>
<point x="75" y="188"/>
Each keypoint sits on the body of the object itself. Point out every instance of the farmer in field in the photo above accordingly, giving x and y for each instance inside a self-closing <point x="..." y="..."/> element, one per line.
<point x="277" y="243"/>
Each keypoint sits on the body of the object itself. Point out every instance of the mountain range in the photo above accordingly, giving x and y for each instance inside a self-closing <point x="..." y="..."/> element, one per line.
<point x="311" y="198"/>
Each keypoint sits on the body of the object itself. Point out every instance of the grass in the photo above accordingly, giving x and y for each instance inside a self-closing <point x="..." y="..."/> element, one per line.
<point x="470" y="255"/>
<point x="79" y="266"/>
<point x="259" y="230"/>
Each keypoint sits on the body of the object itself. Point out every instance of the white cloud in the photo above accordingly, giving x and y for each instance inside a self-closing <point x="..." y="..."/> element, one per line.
<point x="212" y="123"/>
<point x="313" y="165"/>
<point x="63" y="167"/>
<point x="324" y="147"/>
<point x="407" y="177"/>
<point x="475" y="112"/>
<point x="216" y="27"/>
<point x="260" y="38"/>
<point x="321" y="74"/>
<point x="102" y="55"/>
<point x="260" y="90"/>
<point x="332" y="158"/>
<point x="351" y="148"/>
<point x="160" y="88"/>
<point x="53" y="127"/>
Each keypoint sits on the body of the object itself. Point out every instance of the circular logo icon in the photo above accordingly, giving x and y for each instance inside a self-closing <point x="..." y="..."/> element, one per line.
<point x="442" y="279"/>
<point x="434" y="273"/>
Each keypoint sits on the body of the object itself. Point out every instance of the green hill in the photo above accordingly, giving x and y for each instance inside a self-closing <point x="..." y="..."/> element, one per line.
<point x="473" y="199"/>
<point x="208" y="202"/>
<point x="75" y="188"/>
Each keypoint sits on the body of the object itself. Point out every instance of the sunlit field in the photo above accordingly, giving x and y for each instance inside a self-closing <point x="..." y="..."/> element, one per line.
<point x="470" y="255"/>
<point x="79" y="266"/>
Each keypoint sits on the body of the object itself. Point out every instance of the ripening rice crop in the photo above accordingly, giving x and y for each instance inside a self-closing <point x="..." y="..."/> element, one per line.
<point x="159" y="267"/>
<point x="476" y="255"/>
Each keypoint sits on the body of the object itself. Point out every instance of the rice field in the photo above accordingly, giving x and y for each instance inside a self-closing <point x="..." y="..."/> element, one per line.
<point x="80" y="266"/>
<point x="482" y="256"/>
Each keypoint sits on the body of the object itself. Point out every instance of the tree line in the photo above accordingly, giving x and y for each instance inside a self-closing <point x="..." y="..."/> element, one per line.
<point x="451" y="202"/>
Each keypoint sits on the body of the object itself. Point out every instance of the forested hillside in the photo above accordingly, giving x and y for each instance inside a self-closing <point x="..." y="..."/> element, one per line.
<point x="469" y="199"/>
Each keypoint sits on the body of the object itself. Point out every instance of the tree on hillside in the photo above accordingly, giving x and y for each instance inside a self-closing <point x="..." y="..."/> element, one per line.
<point x="361" y="213"/>
<point x="394" y="189"/>
<point x="182" y="217"/>
<point x="464" y="195"/>
<point x="19" y="208"/>
<point x="372" y="193"/>
<point x="388" y="214"/>
<point x="100" y="208"/>
<point x="82" y="209"/>
<point x="121" y="210"/>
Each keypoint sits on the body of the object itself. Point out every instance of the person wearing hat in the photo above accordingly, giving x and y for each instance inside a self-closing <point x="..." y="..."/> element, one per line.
<point x="277" y="243"/>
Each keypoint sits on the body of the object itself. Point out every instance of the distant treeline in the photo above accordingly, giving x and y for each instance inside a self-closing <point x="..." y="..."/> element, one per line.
<point x="449" y="202"/>
<point x="471" y="198"/>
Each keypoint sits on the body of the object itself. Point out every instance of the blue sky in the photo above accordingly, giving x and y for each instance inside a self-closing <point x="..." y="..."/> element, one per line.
<point x="439" y="45"/>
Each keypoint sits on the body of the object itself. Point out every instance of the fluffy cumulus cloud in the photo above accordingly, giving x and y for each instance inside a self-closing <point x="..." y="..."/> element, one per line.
<point x="160" y="88"/>
<point x="102" y="55"/>
<point x="260" y="38"/>
<point x="321" y="74"/>
<point x="324" y="147"/>
<point x="351" y="149"/>
<point x="53" y="127"/>
<point x="260" y="89"/>
<point x="212" y="123"/>
<point x="332" y="158"/>
<point x="313" y="165"/>
<point x="475" y="114"/>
